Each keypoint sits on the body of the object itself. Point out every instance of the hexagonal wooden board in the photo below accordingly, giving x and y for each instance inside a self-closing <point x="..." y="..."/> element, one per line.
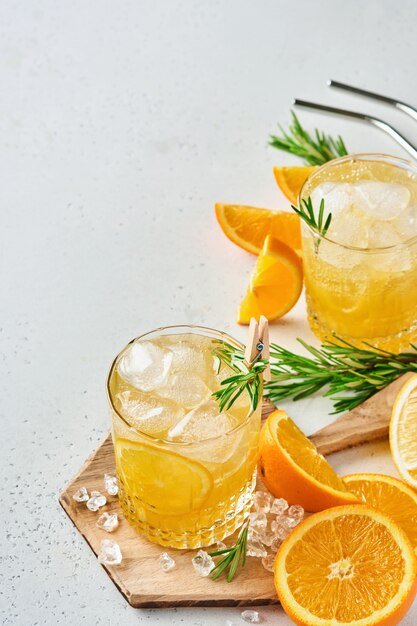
<point x="139" y="577"/>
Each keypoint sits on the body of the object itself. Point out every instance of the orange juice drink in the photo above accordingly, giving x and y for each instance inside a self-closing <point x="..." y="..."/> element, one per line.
<point x="361" y="278"/>
<point x="186" y="470"/>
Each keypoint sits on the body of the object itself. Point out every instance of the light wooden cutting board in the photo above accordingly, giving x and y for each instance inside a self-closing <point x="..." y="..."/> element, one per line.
<point x="139" y="577"/>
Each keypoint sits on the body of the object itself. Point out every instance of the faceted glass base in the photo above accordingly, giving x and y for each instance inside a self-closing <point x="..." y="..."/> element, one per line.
<point x="396" y="343"/>
<point x="231" y="516"/>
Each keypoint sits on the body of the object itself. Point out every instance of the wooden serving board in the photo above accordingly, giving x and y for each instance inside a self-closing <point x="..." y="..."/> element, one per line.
<point x="139" y="577"/>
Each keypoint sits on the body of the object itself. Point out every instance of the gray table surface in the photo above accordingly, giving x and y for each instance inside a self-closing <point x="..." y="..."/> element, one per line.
<point x="121" y="123"/>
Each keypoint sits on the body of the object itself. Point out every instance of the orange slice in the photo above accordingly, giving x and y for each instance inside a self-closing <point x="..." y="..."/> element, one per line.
<point x="291" y="179"/>
<point x="403" y="432"/>
<point x="390" y="496"/>
<point x="248" y="226"/>
<point x="275" y="285"/>
<point x="163" y="481"/>
<point x="350" y="565"/>
<point x="292" y="468"/>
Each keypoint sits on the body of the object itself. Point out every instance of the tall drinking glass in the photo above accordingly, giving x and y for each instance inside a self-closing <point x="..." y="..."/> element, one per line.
<point x="361" y="278"/>
<point x="186" y="471"/>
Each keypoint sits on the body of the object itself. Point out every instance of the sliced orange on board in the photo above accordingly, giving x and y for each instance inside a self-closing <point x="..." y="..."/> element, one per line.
<point x="403" y="432"/>
<point x="292" y="468"/>
<point x="346" y="565"/>
<point x="275" y="285"/>
<point x="291" y="179"/>
<point x="248" y="226"/>
<point x="390" y="496"/>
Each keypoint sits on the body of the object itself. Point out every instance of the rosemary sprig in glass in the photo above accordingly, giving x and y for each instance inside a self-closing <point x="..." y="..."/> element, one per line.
<point x="307" y="214"/>
<point x="233" y="556"/>
<point x="355" y="373"/>
<point x="246" y="379"/>
<point x="315" y="150"/>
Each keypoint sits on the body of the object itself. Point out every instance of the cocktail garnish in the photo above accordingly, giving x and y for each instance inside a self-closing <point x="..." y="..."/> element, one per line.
<point x="315" y="150"/>
<point x="233" y="557"/>
<point x="306" y="213"/>
<point x="252" y="366"/>
<point x="360" y="373"/>
<point x="245" y="380"/>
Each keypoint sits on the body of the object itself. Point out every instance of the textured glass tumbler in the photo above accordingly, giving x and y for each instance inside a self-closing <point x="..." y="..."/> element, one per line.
<point x="184" y="494"/>
<point x="364" y="292"/>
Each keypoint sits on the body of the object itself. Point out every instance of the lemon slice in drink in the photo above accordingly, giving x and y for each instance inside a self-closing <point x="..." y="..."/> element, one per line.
<point x="164" y="481"/>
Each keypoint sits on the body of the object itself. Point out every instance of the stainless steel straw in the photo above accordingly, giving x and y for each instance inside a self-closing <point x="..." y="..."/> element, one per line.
<point x="402" y="106"/>
<point x="370" y="119"/>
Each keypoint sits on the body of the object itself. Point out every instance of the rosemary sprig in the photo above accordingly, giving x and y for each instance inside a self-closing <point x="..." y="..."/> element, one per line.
<point x="306" y="213"/>
<point x="355" y="373"/>
<point x="314" y="150"/>
<point x="234" y="556"/>
<point x="245" y="380"/>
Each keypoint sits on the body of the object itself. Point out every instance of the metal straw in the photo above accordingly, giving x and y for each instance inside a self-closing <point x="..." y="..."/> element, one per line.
<point x="370" y="119"/>
<point x="403" y="106"/>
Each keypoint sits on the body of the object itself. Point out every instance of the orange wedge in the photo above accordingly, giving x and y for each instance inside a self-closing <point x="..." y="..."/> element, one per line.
<point x="248" y="226"/>
<point x="292" y="468"/>
<point x="390" y="496"/>
<point x="350" y="565"/>
<point x="291" y="179"/>
<point x="403" y="432"/>
<point x="275" y="285"/>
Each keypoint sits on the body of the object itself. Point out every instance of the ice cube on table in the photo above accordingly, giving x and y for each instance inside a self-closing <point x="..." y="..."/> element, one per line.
<point x="108" y="522"/>
<point x="279" y="506"/>
<point x="276" y="544"/>
<point x="187" y="390"/>
<point x="338" y="197"/>
<point x="96" y="501"/>
<point x="254" y="546"/>
<point x="148" y="413"/>
<point x="266" y="537"/>
<point x="257" y="520"/>
<point x="203" y="563"/>
<point x="111" y="484"/>
<point x="203" y="422"/>
<point x="383" y="201"/>
<point x="110" y="553"/>
<point x="81" y="495"/>
<point x="262" y="501"/>
<point x="250" y="616"/>
<point x="145" y="365"/>
<point x="269" y="562"/>
<point x="280" y="526"/>
<point x="295" y="515"/>
<point x="166" y="562"/>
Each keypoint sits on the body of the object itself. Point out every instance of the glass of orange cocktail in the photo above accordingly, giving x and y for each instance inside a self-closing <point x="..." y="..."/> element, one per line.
<point x="186" y="470"/>
<point x="361" y="276"/>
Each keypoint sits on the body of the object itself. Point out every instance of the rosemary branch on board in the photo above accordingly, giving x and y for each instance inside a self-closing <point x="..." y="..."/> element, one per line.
<point x="245" y="380"/>
<point x="233" y="557"/>
<point x="306" y="213"/>
<point x="314" y="150"/>
<point x="355" y="373"/>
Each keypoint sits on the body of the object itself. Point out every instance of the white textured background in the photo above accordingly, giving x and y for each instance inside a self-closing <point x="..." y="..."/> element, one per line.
<point x="121" y="123"/>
